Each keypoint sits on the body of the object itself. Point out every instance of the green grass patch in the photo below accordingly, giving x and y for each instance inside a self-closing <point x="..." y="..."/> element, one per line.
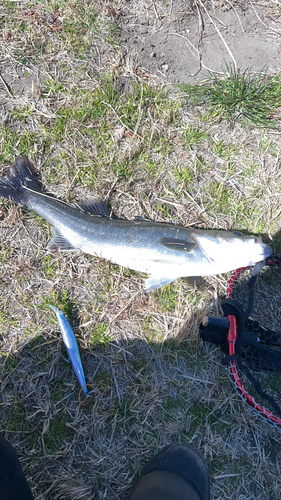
<point x="220" y="198"/>
<point x="22" y="114"/>
<point x="167" y="297"/>
<point x="25" y="142"/>
<point x="17" y="418"/>
<point x="6" y="319"/>
<point x="5" y="253"/>
<point x="193" y="136"/>
<point x="252" y="100"/>
<point x="184" y="175"/>
<point x="61" y="300"/>
<point x="58" y="433"/>
<point x="56" y="391"/>
<point x="49" y="266"/>
<point x="199" y="412"/>
<point x="224" y="150"/>
<point x="268" y="146"/>
<point x="103" y="377"/>
<point x="99" y="335"/>
<point x="9" y="364"/>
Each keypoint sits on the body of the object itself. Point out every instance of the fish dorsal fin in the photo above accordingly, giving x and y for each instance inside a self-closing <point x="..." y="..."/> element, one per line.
<point x="154" y="282"/>
<point x="59" y="242"/>
<point x="93" y="207"/>
<point x="179" y="245"/>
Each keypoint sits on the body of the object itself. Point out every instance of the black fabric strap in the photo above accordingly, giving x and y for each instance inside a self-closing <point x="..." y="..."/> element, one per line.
<point x="251" y="299"/>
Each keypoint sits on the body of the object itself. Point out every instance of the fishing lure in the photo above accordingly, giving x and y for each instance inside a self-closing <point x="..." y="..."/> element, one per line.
<point x="71" y="346"/>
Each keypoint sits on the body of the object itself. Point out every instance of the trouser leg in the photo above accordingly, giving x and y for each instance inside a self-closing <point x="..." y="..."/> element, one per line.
<point x="13" y="484"/>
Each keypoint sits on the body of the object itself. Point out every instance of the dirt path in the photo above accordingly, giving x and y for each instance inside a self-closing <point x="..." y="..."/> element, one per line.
<point x="180" y="42"/>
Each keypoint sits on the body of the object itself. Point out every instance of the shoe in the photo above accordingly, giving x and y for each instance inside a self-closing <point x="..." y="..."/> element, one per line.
<point x="177" y="472"/>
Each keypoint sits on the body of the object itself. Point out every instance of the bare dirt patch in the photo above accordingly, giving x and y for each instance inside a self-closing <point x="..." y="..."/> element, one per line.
<point x="180" y="42"/>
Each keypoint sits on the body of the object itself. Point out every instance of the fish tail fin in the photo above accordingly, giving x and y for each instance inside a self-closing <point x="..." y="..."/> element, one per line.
<point x="20" y="176"/>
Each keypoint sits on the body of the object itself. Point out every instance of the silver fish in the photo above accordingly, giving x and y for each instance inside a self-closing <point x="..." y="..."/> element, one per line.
<point x="164" y="251"/>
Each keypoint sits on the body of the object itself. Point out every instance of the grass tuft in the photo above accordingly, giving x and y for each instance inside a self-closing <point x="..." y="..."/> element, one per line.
<point x="252" y="100"/>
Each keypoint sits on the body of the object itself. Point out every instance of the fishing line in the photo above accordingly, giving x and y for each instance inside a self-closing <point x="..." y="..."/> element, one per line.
<point x="249" y="335"/>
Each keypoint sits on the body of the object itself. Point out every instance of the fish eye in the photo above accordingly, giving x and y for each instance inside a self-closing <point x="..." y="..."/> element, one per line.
<point x="238" y="233"/>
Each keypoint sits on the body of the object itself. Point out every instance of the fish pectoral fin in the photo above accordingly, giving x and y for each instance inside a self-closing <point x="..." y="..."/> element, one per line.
<point x="154" y="282"/>
<point x="204" y="244"/>
<point x="59" y="242"/>
<point x="179" y="245"/>
<point x="93" y="207"/>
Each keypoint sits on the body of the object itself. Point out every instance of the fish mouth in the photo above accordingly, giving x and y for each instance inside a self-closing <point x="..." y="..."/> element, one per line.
<point x="267" y="251"/>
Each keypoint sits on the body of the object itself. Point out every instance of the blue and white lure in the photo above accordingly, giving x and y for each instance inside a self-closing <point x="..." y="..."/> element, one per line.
<point x="71" y="346"/>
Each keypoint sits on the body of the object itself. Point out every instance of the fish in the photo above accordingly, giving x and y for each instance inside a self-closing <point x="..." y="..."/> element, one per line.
<point x="164" y="251"/>
<point x="71" y="346"/>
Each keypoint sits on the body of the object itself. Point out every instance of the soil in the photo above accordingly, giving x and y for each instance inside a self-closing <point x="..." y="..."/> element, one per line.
<point x="183" y="41"/>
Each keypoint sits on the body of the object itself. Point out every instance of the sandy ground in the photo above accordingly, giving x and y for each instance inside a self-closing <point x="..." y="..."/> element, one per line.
<point x="181" y="42"/>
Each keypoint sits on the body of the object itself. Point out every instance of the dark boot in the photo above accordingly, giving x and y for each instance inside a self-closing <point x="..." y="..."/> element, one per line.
<point x="178" y="472"/>
<point x="13" y="485"/>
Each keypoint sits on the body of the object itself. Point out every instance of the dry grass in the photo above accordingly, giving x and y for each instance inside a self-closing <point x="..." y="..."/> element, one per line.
<point x="94" y="125"/>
